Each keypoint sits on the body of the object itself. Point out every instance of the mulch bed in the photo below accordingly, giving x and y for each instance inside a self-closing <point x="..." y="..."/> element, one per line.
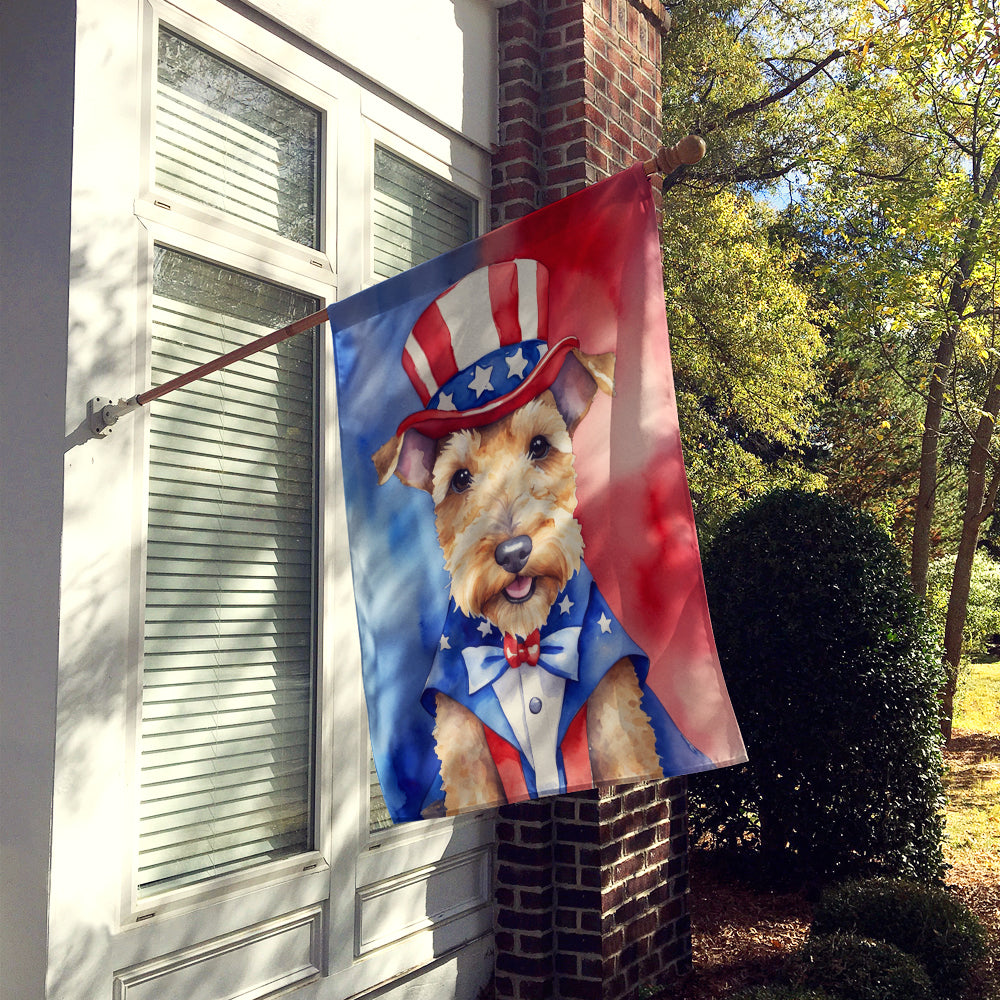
<point x="742" y="934"/>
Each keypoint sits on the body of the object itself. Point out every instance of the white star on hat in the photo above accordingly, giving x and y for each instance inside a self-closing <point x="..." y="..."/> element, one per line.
<point x="446" y="401"/>
<point x="516" y="364"/>
<point x="481" y="380"/>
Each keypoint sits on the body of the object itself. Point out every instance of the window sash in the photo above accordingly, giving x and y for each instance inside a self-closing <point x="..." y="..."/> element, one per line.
<point x="229" y="663"/>
<point x="228" y="140"/>
<point x="415" y="217"/>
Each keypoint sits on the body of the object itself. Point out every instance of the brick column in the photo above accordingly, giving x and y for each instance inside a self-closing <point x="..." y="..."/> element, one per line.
<point x="579" y="96"/>
<point x="591" y="889"/>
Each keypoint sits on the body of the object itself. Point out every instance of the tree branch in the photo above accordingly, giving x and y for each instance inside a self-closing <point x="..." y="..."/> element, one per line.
<point x="754" y="106"/>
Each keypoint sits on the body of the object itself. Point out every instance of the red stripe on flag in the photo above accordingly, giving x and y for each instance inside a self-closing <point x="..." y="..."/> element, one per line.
<point x="411" y="370"/>
<point x="542" y="292"/>
<point x="503" y="302"/>
<point x="508" y="761"/>
<point x="432" y="334"/>
<point x="576" y="755"/>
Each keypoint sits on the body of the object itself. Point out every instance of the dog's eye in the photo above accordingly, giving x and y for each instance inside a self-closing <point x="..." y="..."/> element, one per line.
<point x="461" y="481"/>
<point x="538" y="448"/>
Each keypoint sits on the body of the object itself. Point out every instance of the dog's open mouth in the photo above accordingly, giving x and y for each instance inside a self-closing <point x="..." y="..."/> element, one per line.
<point x="518" y="591"/>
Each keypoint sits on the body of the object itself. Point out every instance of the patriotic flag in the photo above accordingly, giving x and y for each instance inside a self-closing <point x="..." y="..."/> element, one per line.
<point x="527" y="580"/>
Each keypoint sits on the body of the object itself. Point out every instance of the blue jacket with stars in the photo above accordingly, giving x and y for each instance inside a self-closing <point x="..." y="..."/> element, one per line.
<point x="580" y="641"/>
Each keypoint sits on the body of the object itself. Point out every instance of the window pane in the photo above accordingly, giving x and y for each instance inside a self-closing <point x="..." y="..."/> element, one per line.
<point x="228" y="658"/>
<point x="228" y="140"/>
<point x="417" y="216"/>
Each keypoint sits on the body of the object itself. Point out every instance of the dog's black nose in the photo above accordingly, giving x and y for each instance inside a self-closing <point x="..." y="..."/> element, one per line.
<point x="513" y="554"/>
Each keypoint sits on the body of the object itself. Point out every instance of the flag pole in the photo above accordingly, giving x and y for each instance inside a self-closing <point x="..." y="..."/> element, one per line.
<point x="687" y="152"/>
<point x="103" y="414"/>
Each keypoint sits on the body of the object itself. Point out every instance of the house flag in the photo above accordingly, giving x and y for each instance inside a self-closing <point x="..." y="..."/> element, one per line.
<point x="527" y="580"/>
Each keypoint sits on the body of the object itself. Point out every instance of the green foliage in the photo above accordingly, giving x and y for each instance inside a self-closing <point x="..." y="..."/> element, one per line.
<point x="746" y="354"/>
<point x="746" y="350"/>
<point x="926" y="922"/>
<point x="738" y="73"/>
<point x="983" y="613"/>
<point x="833" y="673"/>
<point x="856" y="968"/>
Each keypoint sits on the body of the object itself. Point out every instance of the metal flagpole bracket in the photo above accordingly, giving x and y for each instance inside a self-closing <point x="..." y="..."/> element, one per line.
<point x="103" y="413"/>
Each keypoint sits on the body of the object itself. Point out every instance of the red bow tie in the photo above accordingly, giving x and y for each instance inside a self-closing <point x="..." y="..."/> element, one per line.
<point x="517" y="653"/>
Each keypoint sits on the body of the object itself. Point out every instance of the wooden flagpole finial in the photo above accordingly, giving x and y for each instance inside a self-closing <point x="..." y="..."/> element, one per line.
<point x="668" y="158"/>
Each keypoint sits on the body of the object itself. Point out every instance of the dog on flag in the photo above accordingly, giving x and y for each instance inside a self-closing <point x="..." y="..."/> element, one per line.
<point x="535" y="687"/>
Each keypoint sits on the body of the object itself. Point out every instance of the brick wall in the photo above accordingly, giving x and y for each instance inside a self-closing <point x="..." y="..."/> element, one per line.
<point x="591" y="889"/>
<point x="579" y="96"/>
<point x="591" y="893"/>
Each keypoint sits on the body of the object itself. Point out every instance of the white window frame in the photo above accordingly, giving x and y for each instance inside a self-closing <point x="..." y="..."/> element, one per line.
<point x="352" y="876"/>
<point x="180" y="224"/>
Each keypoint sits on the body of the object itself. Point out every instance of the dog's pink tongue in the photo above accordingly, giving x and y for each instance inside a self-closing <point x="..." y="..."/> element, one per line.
<point x="519" y="588"/>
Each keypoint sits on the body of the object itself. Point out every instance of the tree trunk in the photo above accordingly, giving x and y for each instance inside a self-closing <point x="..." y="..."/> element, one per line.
<point x="980" y="499"/>
<point x="920" y="554"/>
<point x="958" y="299"/>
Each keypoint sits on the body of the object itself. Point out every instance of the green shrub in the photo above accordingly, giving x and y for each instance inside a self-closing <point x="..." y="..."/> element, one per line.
<point x="833" y="673"/>
<point x="856" y="968"/>
<point x="925" y="922"/>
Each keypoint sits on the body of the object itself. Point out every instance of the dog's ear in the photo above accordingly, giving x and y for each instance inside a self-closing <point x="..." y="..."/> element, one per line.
<point x="410" y="456"/>
<point x="578" y="381"/>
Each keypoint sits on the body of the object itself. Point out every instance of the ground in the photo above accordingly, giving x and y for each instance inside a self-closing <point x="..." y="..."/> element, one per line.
<point x="741" y="935"/>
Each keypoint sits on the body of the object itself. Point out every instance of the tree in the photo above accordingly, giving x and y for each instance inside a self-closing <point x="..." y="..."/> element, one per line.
<point x="746" y="350"/>
<point x="913" y="192"/>
<point x="746" y="75"/>
<point x="746" y="355"/>
<point x="879" y="123"/>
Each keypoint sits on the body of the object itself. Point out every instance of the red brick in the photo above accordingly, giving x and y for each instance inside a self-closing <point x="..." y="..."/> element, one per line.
<point x="536" y="944"/>
<point x="567" y="964"/>
<point x="522" y="920"/>
<point x="515" y="875"/>
<point x="551" y="39"/>
<point x="599" y="112"/>
<point x="520" y="111"/>
<point x="564" y="54"/>
<point x="532" y="899"/>
<point x="521" y="91"/>
<point x="521" y="130"/>
<point x="581" y="989"/>
<point x="522" y="965"/>
<point x="518" y="49"/>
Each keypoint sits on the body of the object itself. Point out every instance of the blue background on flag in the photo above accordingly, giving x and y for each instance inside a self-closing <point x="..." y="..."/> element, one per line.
<point x="400" y="562"/>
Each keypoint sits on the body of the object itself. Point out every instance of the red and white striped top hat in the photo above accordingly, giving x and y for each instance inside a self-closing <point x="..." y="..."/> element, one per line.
<point x="480" y="349"/>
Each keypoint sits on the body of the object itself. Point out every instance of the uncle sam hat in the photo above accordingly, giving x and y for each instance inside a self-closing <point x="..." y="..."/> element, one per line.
<point x="478" y="352"/>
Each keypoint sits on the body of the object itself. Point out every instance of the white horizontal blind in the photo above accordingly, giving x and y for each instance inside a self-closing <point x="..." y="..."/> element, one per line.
<point x="416" y="216"/>
<point x="228" y="140"/>
<point x="228" y="658"/>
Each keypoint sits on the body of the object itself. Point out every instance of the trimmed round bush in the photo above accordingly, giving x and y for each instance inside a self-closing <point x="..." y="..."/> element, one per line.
<point x="857" y="968"/>
<point x="833" y="672"/>
<point x="926" y="922"/>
